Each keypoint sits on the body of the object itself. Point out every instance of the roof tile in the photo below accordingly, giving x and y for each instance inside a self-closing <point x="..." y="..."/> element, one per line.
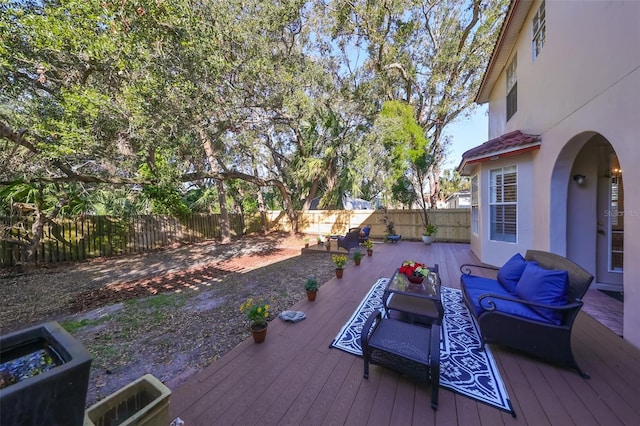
<point x="506" y="142"/>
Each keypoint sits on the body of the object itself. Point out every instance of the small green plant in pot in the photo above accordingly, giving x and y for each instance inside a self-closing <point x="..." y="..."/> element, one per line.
<point x="429" y="234"/>
<point x="357" y="256"/>
<point x="311" y="286"/>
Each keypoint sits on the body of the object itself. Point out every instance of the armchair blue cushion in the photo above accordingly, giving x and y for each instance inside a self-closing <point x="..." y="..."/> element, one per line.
<point x="364" y="234"/>
<point x="545" y="286"/>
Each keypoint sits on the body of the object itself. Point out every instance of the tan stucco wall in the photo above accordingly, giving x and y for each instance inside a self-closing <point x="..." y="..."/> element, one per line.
<point x="586" y="81"/>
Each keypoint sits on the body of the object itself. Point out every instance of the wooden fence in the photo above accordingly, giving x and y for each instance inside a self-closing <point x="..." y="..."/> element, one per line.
<point x="454" y="225"/>
<point x="95" y="236"/>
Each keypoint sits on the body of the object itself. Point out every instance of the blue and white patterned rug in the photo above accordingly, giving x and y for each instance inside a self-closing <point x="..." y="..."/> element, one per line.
<point x="464" y="368"/>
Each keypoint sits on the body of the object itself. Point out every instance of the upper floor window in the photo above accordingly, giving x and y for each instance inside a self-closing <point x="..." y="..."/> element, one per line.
<point x="475" y="211"/>
<point x="503" y="204"/>
<point x="539" y="31"/>
<point x="512" y="88"/>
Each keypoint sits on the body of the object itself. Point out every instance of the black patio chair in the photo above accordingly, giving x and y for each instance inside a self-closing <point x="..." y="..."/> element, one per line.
<point x="351" y="240"/>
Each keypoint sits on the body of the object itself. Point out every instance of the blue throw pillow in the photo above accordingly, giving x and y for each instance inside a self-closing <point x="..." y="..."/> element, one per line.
<point x="546" y="286"/>
<point x="510" y="273"/>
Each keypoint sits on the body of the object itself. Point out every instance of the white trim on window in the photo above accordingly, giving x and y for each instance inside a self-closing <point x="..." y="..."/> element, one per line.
<point x="539" y="31"/>
<point x="512" y="88"/>
<point x="475" y="206"/>
<point x="503" y="204"/>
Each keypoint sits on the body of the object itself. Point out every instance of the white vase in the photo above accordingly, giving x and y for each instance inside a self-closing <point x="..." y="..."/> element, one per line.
<point x="427" y="239"/>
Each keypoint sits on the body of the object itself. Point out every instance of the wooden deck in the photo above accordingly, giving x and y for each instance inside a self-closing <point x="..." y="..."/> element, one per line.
<point x="294" y="378"/>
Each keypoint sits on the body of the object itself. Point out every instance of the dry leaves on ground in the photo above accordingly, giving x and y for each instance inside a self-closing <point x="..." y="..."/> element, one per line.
<point x="169" y="313"/>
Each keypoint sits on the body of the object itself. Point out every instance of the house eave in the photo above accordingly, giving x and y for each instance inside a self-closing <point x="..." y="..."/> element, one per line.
<point x="512" y="25"/>
<point x="467" y="165"/>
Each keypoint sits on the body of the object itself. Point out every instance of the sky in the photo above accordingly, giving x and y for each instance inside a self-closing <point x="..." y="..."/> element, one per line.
<point x="465" y="134"/>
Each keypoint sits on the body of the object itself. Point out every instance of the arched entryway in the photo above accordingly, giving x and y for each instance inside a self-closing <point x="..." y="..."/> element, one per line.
<point x="588" y="205"/>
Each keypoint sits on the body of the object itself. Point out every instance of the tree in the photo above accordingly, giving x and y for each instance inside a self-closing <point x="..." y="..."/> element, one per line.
<point x="430" y="54"/>
<point x="408" y="151"/>
<point x="451" y="182"/>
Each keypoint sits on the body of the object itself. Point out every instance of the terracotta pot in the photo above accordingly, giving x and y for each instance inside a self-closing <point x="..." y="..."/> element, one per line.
<point x="339" y="272"/>
<point x="259" y="333"/>
<point x="311" y="295"/>
<point x="306" y="245"/>
<point x="357" y="261"/>
<point x="369" y="252"/>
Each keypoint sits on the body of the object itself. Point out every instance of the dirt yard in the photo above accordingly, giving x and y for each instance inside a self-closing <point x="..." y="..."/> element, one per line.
<point x="169" y="313"/>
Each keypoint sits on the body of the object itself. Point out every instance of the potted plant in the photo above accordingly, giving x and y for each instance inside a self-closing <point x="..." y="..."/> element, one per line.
<point x="414" y="271"/>
<point x="357" y="256"/>
<point x="327" y="241"/>
<point x="340" y="260"/>
<point x="390" y="232"/>
<point x="429" y="233"/>
<point x="311" y="286"/>
<point x="306" y="242"/>
<point x="257" y="313"/>
<point x="369" y="245"/>
<point x="319" y="240"/>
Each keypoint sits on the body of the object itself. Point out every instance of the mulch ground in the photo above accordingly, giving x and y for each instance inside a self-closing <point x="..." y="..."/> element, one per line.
<point x="173" y="281"/>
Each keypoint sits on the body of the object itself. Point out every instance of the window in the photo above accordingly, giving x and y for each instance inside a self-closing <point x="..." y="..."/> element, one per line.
<point x="512" y="88"/>
<point x="474" y="205"/>
<point x="503" y="204"/>
<point x="539" y="31"/>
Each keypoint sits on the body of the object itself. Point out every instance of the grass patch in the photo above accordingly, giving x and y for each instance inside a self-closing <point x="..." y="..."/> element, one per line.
<point x="72" y="326"/>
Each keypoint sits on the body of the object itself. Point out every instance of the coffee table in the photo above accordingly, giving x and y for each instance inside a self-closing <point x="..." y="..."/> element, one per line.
<point x="414" y="303"/>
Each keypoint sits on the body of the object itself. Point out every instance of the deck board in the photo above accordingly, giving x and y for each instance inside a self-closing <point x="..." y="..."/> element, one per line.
<point x="295" y="378"/>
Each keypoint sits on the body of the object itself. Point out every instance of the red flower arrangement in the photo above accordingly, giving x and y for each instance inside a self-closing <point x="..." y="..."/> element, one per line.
<point x="414" y="269"/>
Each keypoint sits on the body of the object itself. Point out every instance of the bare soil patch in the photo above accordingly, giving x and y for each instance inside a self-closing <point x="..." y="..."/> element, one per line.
<point x="169" y="313"/>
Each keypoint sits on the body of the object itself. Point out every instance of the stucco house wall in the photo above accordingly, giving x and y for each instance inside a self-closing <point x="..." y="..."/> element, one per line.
<point x="584" y="84"/>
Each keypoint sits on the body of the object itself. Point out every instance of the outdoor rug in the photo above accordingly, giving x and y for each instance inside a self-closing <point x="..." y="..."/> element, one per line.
<point x="464" y="368"/>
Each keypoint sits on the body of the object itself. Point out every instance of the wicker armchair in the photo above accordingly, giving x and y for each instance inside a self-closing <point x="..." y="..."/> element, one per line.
<point x="547" y="341"/>
<point x="351" y="240"/>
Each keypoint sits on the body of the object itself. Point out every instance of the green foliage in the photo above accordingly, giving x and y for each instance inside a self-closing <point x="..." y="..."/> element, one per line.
<point x="257" y="312"/>
<point x="357" y="254"/>
<point x="165" y="199"/>
<point x="72" y="326"/>
<point x="282" y="95"/>
<point x="311" y="283"/>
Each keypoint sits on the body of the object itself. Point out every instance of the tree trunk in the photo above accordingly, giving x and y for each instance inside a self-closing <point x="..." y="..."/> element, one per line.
<point x="38" y="230"/>
<point x="263" y="212"/>
<point x="288" y="208"/>
<point x="225" y="230"/>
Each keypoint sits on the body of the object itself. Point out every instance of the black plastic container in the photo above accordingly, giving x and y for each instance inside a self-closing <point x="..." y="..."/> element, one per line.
<point x="53" y="397"/>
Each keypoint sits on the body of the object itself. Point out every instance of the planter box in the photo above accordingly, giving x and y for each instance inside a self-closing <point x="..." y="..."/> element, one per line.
<point x="142" y="402"/>
<point x="56" y="396"/>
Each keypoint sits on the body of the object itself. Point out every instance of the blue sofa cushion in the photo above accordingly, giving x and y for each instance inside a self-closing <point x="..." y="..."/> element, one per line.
<point x="481" y="283"/>
<point x="546" y="286"/>
<point x="504" y="306"/>
<point x="511" y="271"/>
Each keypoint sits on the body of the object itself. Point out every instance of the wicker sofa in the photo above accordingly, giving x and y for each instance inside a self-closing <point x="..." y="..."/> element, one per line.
<point x="530" y="306"/>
